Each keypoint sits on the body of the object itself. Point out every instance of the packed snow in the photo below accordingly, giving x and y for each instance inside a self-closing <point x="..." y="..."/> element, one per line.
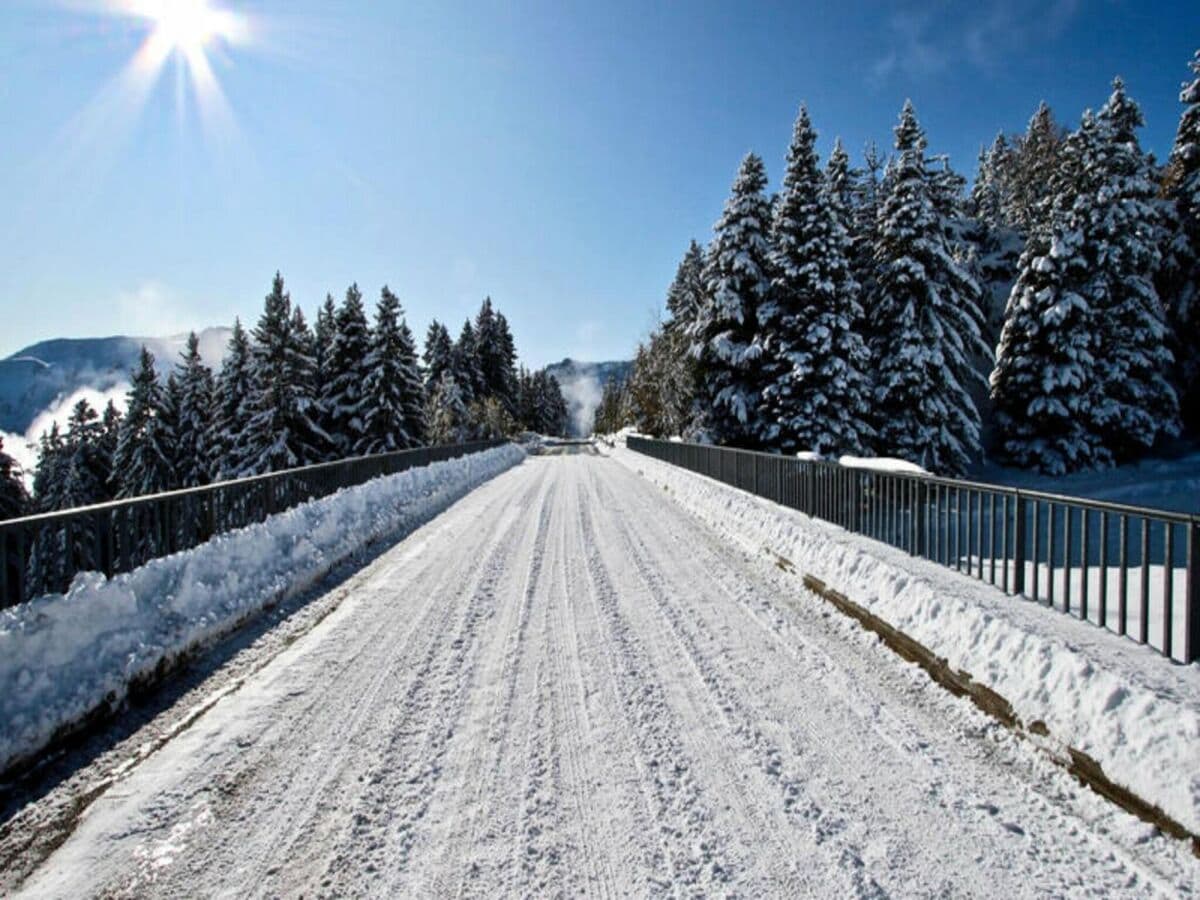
<point x="568" y="684"/>
<point x="63" y="655"/>
<point x="1134" y="712"/>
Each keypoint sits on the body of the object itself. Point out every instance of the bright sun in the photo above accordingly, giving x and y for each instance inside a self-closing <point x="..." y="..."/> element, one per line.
<point x="188" y="25"/>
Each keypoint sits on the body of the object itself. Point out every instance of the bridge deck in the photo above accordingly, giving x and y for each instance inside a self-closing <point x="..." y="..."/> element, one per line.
<point x="566" y="685"/>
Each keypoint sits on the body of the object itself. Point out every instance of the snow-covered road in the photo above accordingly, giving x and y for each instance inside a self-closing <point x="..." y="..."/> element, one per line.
<point x="565" y="684"/>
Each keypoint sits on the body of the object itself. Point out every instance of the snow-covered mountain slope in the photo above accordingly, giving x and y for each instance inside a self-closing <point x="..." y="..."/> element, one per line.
<point x="42" y="375"/>
<point x="582" y="385"/>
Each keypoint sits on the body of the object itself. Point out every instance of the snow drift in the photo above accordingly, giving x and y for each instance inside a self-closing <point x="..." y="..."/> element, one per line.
<point x="1134" y="712"/>
<point x="64" y="655"/>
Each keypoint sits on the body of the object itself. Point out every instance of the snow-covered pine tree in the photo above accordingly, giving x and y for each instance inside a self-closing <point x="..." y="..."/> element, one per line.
<point x="465" y="365"/>
<point x="439" y="354"/>
<point x="1000" y="244"/>
<point x="84" y="472"/>
<point x="686" y="293"/>
<point x="390" y="381"/>
<point x="13" y="498"/>
<point x="446" y="419"/>
<point x="811" y="356"/>
<point x="110" y="431"/>
<point x="168" y="419"/>
<point x="193" y="425"/>
<point x="142" y="462"/>
<point x="232" y="409"/>
<point x="735" y="283"/>
<point x="490" y="352"/>
<point x="1045" y="379"/>
<point x="1123" y="230"/>
<point x="1179" y="277"/>
<point x="927" y="328"/>
<point x="344" y="399"/>
<point x="1030" y="172"/>
<point x="323" y="337"/>
<point x="507" y="354"/>
<point x="47" y="477"/>
<point x="282" y="431"/>
<point x="867" y="194"/>
<point x="304" y="371"/>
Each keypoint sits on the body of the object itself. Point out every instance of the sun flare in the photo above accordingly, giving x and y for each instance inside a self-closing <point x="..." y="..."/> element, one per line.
<point x="188" y="25"/>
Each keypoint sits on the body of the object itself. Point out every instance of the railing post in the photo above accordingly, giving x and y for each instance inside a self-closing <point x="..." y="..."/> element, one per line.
<point x="1018" y="581"/>
<point x="1191" y="633"/>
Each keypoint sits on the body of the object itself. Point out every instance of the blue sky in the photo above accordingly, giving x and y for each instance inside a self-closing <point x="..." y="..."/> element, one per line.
<point x="557" y="156"/>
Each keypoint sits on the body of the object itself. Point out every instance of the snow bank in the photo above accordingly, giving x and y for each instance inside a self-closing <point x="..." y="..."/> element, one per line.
<point x="64" y="655"/>
<point x="881" y="464"/>
<point x="1134" y="712"/>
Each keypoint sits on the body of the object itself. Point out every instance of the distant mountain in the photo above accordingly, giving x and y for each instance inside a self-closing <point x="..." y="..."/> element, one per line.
<point x="582" y="385"/>
<point x="41" y="375"/>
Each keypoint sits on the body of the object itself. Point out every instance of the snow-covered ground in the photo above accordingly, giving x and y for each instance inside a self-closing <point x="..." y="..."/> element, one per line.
<point x="1133" y="711"/>
<point x="568" y="683"/>
<point x="63" y="655"/>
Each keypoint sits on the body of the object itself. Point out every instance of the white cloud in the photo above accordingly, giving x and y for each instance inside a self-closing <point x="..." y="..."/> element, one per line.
<point x="152" y="308"/>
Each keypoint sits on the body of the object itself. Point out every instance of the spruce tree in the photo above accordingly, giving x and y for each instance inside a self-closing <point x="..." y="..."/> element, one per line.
<point x="323" y="338"/>
<point x="142" y="462"/>
<point x="439" y="354"/>
<point x="1118" y="214"/>
<point x="812" y="356"/>
<point x="47" y="477"/>
<point x="345" y="400"/>
<point x="387" y="384"/>
<point x="927" y="328"/>
<point x="446" y="418"/>
<point x="735" y="283"/>
<point x="507" y="363"/>
<point x="232" y="409"/>
<point x="193" y="424"/>
<point x="110" y="430"/>
<point x="1179" y="277"/>
<point x="465" y="367"/>
<point x="84" y="472"/>
<point x="13" y="498"/>
<point x="283" y="431"/>
<point x="685" y="296"/>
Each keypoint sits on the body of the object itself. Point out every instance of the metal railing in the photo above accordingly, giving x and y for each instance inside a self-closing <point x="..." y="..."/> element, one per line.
<point x="1131" y="569"/>
<point x="41" y="554"/>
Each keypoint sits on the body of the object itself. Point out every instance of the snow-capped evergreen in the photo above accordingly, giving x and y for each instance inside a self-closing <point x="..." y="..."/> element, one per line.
<point x="926" y="324"/>
<point x="47" y="475"/>
<point x="232" y="409"/>
<point x="439" y="354"/>
<point x="110" y="430"/>
<point x="446" y="420"/>
<point x="343" y="397"/>
<point x="1116" y="209"/>
<point x="84" y="471"/>
<point x="13" y="498"/>
<point x="393" y="392"/>
<point x="496" y="356"/>
<point x="283" y="431"/>
<point x="686" y="294"/>
<point x="193" y="425"/>
<point x="867" y="194"/>
<point x="811" y="355"/>
<point x="1179" y="276"/>
<point x="465" y="368"/>
<point x="142" y="462"/>
<point x="1028" y="172"/>
<point x="506" y="353"/>
<point x="736" y="281"/>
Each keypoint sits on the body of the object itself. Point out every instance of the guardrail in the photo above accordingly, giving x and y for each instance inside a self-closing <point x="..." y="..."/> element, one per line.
<point x="1131" y="569"/>
<point x="41" y="554"/>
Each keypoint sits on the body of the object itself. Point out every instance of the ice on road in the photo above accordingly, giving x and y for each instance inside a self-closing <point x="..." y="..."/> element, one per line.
<point x="566" y="685"/>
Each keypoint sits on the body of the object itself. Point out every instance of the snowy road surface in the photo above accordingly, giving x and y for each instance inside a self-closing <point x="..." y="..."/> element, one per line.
<point x="564" y="685"/>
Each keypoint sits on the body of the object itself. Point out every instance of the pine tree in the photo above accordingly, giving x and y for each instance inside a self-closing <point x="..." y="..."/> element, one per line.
<point x="110" y="431"/>
<point x="168" y="420"/>
<point x="13" y="498"/>
<point x="142" y="462"/>
<point x="867" y="192"/>
<point x="232" y="409"/>
<point x="735" y="283"/>
<point x="323" y="337"/>
<point x="446" y="413"/>
<point x="1123" y="228"/>
<point x="391" y="386"/>
<point x="465" y="367"/>
<point x="439" y="354"/>
<point x="195" y="410"/>
<point x="47" y="477"/>
<point x="344" y="399"/>
<point x="283" y="431"/>
<point x="1179" y="277"/>
<point x="83" y="473"/>
<point x="507" y="359"/>
<point x="927" y="327"/>
<point x="812" y="356"/>
<point x="685" y="297"/>
<point x="1030" y="172"/>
